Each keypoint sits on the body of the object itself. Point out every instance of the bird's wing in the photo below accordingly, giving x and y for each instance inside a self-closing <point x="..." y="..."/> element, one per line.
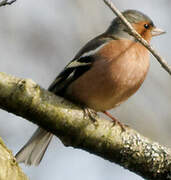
<point x="79" y="65"/>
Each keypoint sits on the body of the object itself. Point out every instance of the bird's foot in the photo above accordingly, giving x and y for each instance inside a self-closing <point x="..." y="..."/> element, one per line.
<point x="90" y="113"/>
<point x="115" y="120"/>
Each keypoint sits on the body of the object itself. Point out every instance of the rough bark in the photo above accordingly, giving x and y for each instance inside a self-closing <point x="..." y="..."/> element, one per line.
<point x="67" y="121"/>
<point x="9" y="169"/>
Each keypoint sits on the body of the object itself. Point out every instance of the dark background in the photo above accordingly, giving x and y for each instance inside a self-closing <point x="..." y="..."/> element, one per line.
<point x="38" y="38"/>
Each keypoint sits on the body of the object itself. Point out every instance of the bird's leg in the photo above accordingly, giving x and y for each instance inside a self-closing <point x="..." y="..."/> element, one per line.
<point x="115" y="120"/>
<point x="92" y="114"/>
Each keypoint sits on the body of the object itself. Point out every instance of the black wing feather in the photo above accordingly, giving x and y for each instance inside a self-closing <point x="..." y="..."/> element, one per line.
<point x="78" y="66"/>
<point x="68" y="75"/>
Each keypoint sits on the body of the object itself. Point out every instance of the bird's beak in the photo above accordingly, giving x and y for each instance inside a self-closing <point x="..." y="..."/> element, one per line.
<point x="157" y="31"/>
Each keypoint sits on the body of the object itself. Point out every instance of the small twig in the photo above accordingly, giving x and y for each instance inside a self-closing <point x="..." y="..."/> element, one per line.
<point x="134" y="33"/>
<point x="6" y="2"/>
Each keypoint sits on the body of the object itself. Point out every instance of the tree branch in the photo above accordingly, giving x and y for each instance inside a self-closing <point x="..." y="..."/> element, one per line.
<point x="66" y="120"/>
<point x="6" y="2"/>
<point x="9" y="169"/>
<point x="134" y="33"/>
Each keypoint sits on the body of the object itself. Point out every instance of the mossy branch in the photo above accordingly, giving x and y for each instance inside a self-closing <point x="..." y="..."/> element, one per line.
<point x="66" y="120"/>
<point x="9" y="169"/>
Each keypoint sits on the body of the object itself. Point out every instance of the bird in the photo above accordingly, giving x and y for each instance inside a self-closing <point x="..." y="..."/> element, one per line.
<point x="103" y="74"/>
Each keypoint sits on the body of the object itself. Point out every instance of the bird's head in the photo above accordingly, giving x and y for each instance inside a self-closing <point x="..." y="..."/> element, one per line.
<point x="141" y="22"/>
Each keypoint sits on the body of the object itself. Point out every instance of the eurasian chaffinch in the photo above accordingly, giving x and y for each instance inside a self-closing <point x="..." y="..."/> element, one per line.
<point x="105" y="72"/>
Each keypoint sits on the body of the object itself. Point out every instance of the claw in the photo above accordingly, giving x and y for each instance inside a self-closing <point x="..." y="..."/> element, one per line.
<point x="90" y="113"/>
<point x="115" y="120"/>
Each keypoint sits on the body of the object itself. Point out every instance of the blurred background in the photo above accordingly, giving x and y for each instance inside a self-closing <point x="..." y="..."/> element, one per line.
<point x="38" y="38"/>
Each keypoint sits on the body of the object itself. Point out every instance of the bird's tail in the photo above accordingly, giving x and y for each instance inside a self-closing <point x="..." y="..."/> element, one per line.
<point x="33" y="151"/>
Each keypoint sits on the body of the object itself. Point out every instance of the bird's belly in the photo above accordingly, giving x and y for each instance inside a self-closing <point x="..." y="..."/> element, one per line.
<point x="111" y="93"/>
<point x="105" y="92"/>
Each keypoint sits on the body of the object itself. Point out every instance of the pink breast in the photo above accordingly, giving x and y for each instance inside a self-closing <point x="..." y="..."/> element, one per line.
<point x="113" y="78"/>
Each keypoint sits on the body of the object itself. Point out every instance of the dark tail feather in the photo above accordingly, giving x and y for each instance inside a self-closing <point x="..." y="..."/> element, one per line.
<point x="33" y="151"/>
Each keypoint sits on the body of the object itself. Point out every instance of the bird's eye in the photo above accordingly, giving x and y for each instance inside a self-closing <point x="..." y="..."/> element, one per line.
<point x="146" y="26"/>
